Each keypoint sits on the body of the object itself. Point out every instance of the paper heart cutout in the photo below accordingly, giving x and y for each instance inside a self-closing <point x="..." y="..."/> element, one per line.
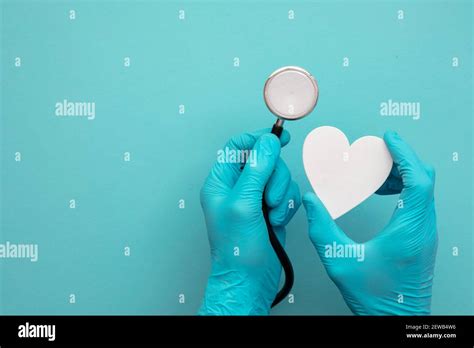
<point x="341" y="174"/>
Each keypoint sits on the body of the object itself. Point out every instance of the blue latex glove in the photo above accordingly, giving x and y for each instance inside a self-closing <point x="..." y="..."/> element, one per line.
<point x="245" y="271"/>
<point x="396" y="275"/>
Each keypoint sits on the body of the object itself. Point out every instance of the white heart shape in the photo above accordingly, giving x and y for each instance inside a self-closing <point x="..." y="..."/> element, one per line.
<point x="341" y="174"/>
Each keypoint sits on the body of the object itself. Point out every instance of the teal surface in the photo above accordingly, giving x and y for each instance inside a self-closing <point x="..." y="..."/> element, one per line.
<point x="190" y="62"/>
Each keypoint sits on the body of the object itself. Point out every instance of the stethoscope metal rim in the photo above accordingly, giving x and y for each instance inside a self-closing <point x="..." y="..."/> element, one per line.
<point x="290" y="68"/>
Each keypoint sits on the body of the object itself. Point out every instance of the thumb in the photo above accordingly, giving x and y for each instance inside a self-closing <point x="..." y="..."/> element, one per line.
<point x="417" y="177"/>
<point x="256" y="174"/>
<point x="409" y="165"/>
<point x="322" y="228"/>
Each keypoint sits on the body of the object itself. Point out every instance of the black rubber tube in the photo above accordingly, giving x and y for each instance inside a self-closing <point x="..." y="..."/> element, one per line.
<point x="276" y="245"/>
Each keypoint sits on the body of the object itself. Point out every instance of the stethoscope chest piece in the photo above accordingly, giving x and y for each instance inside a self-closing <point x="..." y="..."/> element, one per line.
<point x="291" y="93"/>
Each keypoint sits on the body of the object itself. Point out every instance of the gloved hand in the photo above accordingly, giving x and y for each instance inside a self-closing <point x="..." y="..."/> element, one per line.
<point x="396" y="274"/>
<point x="245" y="271"/>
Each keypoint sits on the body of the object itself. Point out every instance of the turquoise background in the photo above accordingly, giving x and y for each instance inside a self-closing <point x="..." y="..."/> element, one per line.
<point x="190" y="62"/>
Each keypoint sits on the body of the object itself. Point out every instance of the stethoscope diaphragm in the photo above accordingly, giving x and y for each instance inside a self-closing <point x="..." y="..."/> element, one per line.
<point x="291" y="93"/>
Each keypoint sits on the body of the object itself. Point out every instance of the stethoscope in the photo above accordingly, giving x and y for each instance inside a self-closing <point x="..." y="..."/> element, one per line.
<point x="290" y="93"/>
